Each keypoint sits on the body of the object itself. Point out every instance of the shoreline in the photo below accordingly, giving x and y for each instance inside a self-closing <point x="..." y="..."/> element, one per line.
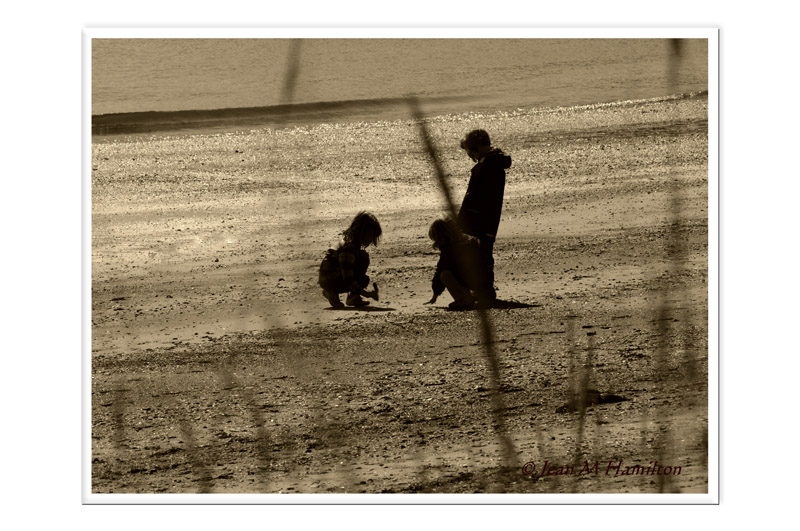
<point x="218" y="121"/>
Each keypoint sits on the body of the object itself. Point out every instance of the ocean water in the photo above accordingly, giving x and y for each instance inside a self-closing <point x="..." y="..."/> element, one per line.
<point x="153" y="84"/>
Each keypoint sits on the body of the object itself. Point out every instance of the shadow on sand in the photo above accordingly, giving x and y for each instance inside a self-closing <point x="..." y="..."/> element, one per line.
<point x="496" y="305"/>
<point x="360" y="309"/>
<point x="512" y="305"/>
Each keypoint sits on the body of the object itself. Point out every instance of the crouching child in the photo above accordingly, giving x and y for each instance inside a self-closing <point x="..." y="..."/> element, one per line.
<point x="458" y="267"/>
<point x="344" y="269"/>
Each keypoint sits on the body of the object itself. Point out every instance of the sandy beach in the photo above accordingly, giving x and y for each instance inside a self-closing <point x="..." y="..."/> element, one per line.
<point x="217" y="366"/>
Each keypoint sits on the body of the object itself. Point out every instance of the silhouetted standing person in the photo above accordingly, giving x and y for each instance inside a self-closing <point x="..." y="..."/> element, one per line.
<point x="483" y="203"/>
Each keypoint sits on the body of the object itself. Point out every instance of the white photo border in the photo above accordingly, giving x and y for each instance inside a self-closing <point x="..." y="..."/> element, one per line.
<point x="712" y="497"/>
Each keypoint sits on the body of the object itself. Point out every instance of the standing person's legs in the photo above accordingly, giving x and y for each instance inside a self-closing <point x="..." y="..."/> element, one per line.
<point x="486" y="292"/>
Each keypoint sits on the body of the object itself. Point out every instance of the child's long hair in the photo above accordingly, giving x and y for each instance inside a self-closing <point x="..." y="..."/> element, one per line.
<point x="363" y="231"/>
<point x="443" y="231"/>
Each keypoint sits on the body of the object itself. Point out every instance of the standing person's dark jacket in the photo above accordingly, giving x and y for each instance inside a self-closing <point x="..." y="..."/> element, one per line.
<point x="483" y="203"/>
